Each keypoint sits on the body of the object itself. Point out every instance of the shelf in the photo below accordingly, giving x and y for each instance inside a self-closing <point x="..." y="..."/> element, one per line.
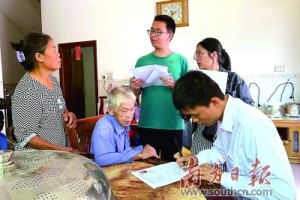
<point x="287" y="122"/>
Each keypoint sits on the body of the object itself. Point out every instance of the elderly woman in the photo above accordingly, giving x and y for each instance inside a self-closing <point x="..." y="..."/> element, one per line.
<point x="110" y="142"/>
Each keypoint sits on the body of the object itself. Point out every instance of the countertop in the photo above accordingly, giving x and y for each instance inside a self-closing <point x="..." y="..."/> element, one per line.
<point x="286" y="121"/>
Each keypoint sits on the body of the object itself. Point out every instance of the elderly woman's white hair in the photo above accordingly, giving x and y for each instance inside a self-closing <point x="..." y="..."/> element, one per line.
<point x="119" y="95"/>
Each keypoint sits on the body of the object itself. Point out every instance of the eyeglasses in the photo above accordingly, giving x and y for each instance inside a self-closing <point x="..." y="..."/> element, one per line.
<point x="185" y="117"/>
<point x="156" y="32"/>
<point x="198" y="54"/>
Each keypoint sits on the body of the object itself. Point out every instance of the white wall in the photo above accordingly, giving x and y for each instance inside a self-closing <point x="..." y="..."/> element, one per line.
<point x="1" y="77"/>
<point x="257" y="34"/>
<point x="8" y="60"/>
<point x="10" y="69"/>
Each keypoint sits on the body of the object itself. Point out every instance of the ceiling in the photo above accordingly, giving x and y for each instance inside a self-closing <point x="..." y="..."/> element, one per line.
<point x="25" y="15"/>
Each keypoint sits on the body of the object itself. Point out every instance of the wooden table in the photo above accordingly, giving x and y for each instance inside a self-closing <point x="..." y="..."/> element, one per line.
<point x="125" y="186"/>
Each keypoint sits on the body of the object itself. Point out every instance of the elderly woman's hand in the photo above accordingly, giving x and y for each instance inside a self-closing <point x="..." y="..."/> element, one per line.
<point x="147" y="152"/>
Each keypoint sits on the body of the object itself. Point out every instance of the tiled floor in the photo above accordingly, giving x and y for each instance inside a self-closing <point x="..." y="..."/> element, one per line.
<point x="296" y="170"/>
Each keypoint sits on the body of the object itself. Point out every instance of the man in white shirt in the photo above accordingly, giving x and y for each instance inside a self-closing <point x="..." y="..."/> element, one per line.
<point x="247" y="140"/>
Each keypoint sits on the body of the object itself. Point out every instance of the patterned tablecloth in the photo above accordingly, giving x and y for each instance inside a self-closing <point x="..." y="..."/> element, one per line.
<point x="52" y="175"/>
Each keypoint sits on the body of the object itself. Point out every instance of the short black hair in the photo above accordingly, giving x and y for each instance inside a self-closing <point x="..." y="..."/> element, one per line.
<point x="195" y="89"/>
<point x="170" y="23"/>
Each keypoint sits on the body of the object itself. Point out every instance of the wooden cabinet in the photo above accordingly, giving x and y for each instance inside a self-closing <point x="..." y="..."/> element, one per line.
<point x="289" y="131"/>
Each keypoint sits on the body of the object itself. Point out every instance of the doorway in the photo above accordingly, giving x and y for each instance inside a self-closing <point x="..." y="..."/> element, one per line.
<point x="78" y="77"/>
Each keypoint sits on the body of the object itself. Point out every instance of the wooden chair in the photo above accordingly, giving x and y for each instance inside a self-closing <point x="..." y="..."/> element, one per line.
<point x="80" y="137"/>
<point x="11" y="138"/>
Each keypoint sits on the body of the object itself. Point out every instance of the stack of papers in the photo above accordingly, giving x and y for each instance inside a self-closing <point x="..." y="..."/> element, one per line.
<point x="160" y="175"/>
<point x="151" y="74"/>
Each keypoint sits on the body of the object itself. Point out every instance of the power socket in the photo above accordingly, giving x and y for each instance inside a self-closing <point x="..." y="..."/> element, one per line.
<point x="104" y="76"/>
<point x="279" y="68"/>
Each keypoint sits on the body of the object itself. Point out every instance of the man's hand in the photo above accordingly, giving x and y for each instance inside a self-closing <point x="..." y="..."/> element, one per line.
<point x="211" y="173"/>
<point x="187" y="162"/>
<point x="205" y="172"/>
<point x="168" y="82"/>
<point x="136" y="85"/>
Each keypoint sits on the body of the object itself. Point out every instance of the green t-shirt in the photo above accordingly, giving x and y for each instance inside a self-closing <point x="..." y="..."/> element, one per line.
<point x="158" y="111"/>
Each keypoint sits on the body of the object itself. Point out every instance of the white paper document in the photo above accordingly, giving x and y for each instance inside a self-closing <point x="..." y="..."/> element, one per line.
<point x="160" y="175"/>
<point x="151" y="74"/>
<point x="219" y="77"/>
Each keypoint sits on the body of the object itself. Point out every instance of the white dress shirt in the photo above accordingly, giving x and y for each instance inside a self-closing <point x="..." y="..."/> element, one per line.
<point x="245" y="135"/>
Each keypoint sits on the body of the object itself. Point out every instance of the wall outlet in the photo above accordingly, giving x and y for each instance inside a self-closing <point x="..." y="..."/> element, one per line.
<point x="104" y="76"/>
<point x="279" y="68"/>
<point x="109" y="75"/>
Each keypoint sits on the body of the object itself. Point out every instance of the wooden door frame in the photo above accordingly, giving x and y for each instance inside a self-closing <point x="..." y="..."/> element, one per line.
<point x="64" y="71"/>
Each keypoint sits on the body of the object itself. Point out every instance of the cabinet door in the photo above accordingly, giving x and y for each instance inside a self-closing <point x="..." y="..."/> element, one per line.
<point x="294" y="138"/>
<point x="284" y="135"/>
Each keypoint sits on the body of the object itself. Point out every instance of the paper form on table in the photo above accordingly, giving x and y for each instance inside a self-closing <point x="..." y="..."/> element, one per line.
<point x="160" y="175"/>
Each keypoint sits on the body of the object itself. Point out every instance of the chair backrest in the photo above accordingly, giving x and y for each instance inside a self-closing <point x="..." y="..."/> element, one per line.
<point x="80" y="137"/>
<point x="11" y="138"/>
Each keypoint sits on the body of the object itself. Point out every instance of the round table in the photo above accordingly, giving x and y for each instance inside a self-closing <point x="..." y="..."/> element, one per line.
<point x="46" y="174"/>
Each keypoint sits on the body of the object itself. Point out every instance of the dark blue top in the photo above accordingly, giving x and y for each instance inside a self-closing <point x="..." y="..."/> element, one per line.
<point x="237" y="87"/>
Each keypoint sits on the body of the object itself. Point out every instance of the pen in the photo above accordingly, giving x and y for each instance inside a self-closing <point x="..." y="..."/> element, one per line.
<point x="185" y="163"/>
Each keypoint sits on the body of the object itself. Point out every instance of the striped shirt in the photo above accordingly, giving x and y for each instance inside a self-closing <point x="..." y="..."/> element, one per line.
<point x="38" y="111"/>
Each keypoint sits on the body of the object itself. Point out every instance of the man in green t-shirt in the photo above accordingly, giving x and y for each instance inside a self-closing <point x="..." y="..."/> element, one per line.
<point x="160" y="124"/>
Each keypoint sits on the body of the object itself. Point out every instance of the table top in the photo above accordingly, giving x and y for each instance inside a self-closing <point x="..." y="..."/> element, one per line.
<point x="286" y="122"/>
<point x="126" y="186"/>
<point x="46" y="174"/>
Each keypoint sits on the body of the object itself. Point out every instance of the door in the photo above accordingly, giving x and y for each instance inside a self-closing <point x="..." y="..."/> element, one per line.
<point x="77" y="86"/>
<point x="78" y="78"/>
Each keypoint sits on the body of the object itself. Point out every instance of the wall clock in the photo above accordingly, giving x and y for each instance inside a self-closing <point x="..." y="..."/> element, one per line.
<point x="177" y="9"/>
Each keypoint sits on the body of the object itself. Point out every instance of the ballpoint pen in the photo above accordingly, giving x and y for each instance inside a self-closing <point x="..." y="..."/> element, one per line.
<point x="185" y="163"/>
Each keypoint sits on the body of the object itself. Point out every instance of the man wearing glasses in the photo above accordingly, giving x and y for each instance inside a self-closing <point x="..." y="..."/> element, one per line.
<point x="159" y="124"/>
